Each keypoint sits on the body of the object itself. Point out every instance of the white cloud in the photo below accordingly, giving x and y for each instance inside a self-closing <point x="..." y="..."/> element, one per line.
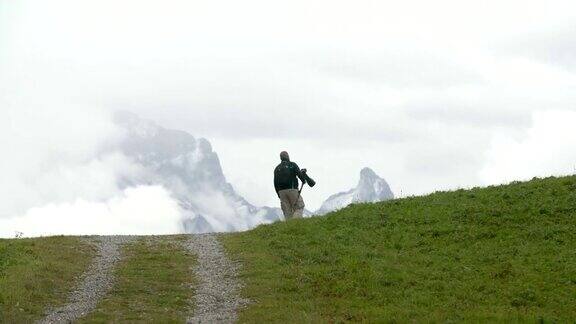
<point x="58" y="178"/>
<point x="53" y="153"/>
<point x="546" y="150"/>
<point x="140" y="210"/>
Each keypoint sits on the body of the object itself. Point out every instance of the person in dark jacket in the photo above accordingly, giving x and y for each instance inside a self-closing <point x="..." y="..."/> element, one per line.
<point x="286" y="183"/>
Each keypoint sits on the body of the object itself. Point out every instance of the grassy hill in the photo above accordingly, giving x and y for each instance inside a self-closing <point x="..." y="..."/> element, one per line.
<point x="497" y="254"/>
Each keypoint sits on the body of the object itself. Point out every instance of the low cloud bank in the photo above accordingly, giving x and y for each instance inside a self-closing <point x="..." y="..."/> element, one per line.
<point x="135" y="211"/>
<point x="58" y="178"/>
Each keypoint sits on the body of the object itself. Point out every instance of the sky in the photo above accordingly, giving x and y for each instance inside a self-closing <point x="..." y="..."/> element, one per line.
<point x="432" y="95"/>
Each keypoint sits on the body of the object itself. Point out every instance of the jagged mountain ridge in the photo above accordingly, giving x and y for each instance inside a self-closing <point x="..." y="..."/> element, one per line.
<point x="370" y="188"/>
<point x="191" y="171"/>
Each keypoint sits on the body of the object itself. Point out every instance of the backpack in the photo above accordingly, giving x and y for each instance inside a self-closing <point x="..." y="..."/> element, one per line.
<point x="285" y="175"/>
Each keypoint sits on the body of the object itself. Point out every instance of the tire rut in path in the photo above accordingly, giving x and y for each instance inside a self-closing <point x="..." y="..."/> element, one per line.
<point x="217" y="294"/>
<point x="96" y="281"/>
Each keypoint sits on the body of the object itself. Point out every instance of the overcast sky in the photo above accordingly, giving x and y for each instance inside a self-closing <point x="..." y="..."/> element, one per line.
<point x="430" y="94"/>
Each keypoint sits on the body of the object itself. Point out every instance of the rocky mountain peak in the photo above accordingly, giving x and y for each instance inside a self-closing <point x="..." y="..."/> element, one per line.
<point x="368" y="174"/>
<point x="370" y="188"/>
<point x="191" y="171"/>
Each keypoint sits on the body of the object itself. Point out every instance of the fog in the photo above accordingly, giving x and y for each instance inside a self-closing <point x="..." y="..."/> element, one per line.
<point x="56" y="179"/>
<point x="431" y="95"/>
<point x="135" y="211"/>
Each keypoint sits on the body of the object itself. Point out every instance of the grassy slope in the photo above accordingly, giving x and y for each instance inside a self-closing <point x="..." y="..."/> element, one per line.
<point x="154" y="284"/>
<point x="504" y="253"/>
<point x="38" y="273"/>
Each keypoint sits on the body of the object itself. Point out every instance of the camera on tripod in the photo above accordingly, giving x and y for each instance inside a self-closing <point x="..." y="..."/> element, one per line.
<point x="307" y="178"/>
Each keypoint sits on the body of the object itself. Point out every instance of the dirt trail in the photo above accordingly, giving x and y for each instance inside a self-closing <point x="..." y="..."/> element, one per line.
<point x="217" y="294"/>
<point x="96" y="281"/>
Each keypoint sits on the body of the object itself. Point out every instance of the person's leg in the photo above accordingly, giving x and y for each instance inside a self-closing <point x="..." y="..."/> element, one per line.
<point x="286" y="203"/>
<point x="299" y="210"/>
<point x="297" y="203"/>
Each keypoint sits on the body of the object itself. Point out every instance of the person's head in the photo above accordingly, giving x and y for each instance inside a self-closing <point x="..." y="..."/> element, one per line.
<point x="284" y="156"/>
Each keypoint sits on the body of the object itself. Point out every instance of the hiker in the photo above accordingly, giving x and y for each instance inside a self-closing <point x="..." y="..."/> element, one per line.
<point x="286" y="185"/>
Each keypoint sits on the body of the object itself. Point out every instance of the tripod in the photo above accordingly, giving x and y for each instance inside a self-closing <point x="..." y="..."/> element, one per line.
<point x="299" y="194"/>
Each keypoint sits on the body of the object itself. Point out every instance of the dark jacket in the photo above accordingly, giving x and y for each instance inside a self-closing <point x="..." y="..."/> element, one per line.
<point x="285" y="176"/>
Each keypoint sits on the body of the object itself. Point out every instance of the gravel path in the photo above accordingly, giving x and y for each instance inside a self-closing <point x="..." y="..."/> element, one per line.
<point x="217" y="294"/>
<point x="95" y="282"/>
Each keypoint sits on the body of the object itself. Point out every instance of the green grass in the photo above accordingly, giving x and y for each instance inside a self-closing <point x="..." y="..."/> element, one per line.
<point x="496" y="254"/>
<point x="154" y="284"/>
<point x="36" y="274"/>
